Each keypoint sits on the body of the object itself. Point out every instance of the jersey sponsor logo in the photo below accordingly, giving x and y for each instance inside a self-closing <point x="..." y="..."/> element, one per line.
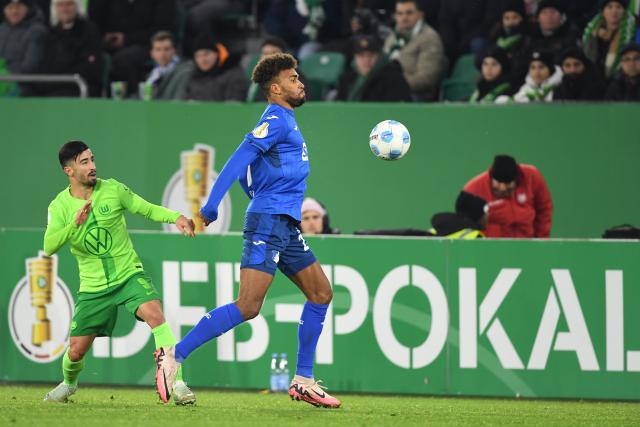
<point x="98" y="241"/>
<point x="41" y="311"/>
<point x="261" y="131"/>
<point x="104" y="209"/>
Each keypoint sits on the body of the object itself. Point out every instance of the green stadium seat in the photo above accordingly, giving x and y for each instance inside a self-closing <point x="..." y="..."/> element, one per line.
<point x="456" y="90"/>
<point x="465" y="69"/>
<point x="321" y="72"/>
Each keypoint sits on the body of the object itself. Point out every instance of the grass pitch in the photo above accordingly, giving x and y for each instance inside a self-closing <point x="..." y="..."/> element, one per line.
<point x="23" y="405"/>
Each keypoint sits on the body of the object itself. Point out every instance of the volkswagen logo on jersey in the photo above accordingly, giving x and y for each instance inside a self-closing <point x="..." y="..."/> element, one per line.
<point x="98" y="241"/>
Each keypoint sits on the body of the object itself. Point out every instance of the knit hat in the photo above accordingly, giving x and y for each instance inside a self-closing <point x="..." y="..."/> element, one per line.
<point x="631" y="47"/>
<point x="204" y="41"/>
<point x="504" y="168"/>
<point x="496" y="53"/>
<point x="545" y="57"/>
<point x="310" y="204"/>
<point x="574" y="52"/>
<point x="471" y="206"/>
<point x="555" y="4"/>
<point x="623" y="3"/>
<point x="514" y="6"/>
<point x="365" y="43"/>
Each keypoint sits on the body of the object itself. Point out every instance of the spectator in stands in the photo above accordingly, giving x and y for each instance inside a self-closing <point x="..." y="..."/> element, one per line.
<point x="464" y="25"/>
<point x="22" y="37"/>
<point x="519" y="201"/>
<point x="203" y="15"/>
<point x="315" y="219"/>
<point x="607" y="33"/>
<point x="511" y="33"/>
<point x="553" y="31"/>
<point x="543" y="77"/>
<point x="169" y="75"/>
<point x="73" y="46"/>
<point x="418" y="49"/>
<point x="126" y="27"/>
<point x="218" y="75"/>
<point x="494" y="85"/>
<point x="625" y="86"/>
<point x="373" y="77"/>
<point x="468" y="221"/>
<point x="580" y="82"/>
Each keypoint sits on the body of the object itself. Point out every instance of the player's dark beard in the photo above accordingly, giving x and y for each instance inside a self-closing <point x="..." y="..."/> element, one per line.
<point x="296" y="102"/>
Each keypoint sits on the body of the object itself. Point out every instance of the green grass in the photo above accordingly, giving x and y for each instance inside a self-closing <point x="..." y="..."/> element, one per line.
<point x="22" y="405"/>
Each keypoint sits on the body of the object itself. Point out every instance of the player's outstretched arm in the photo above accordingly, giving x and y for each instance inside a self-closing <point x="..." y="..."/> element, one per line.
<point x="232" y="170"/>
<point x="58" y="232"/>
<point x="137" y="205"/>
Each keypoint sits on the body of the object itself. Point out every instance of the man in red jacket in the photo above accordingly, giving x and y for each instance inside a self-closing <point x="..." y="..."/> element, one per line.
<point x="520" y="204"/>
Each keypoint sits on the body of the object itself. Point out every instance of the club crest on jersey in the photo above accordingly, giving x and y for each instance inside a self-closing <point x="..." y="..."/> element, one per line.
<point x="104" y="209"/>
<point x="261" y="131"/>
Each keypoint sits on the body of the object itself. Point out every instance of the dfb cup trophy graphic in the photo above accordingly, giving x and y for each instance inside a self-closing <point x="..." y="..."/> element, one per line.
<point x="40" y="310"/>
<point x="188" y="190"/>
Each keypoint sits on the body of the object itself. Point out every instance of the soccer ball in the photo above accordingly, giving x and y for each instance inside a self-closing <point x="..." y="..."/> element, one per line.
<point x="389" y="140"/>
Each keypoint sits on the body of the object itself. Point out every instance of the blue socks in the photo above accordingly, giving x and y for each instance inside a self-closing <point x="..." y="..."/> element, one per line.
<point x="309" y="331"/>
<point x="212" y="325"/>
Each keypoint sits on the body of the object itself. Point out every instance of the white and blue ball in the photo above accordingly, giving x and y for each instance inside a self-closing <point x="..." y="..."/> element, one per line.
<point x="389" y="140"/>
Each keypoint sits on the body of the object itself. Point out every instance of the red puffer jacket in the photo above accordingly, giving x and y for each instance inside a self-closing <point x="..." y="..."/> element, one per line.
<point x="527" y="213"/>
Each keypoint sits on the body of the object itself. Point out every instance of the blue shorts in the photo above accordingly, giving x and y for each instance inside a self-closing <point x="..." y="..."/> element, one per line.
<point x="274" y="240"/>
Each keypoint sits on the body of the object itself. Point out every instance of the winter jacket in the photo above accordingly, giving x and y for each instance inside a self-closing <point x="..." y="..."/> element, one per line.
<point x="623" y="88"/>
<point x="422" y="59"/>
<point x="584" y="87"/>
<point x="531" y="92"/>
<point x="230" y="84"/>
<point x="174" y="85"/>
<point x="385" y="83"/>
<point x="526" y="213"/>
<point x="138" y="20"/>
<point x="77" y="50"/>
<point x="563" y="38"/>
<point x="21" y="45"/>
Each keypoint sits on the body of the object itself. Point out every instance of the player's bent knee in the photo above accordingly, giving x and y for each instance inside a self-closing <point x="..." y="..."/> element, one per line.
<point x="322" y="297"/>
<point x="76" y="353"/>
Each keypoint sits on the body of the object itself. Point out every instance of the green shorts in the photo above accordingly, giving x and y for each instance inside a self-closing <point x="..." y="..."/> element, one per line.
<point x="96" y="312"/>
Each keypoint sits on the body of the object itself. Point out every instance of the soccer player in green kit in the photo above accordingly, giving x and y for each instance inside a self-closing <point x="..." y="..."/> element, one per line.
<point x="89" y="215"/>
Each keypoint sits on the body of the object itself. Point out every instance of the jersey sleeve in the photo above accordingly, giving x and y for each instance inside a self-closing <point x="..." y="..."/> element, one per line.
<point x="268" y="132"/>
<point x="137" y="205"/>
<point x="58" y="232"/>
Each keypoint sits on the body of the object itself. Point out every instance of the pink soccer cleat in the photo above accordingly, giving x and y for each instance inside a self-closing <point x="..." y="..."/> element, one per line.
<point x="166" y="370"/>
<point x="312" y="392"/>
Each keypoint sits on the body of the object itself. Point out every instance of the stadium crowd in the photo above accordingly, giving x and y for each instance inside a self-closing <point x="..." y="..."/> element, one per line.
<point x="481" y="51"/>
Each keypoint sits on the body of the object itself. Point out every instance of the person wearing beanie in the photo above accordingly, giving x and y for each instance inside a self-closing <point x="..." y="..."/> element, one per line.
<point x="217" y="75"/>
<point x="22" y="36"/>
<point x="580" y="82"/>
<point x="467" y="222"/>
<point x="373" y="77"/>
<point x="607" y="34"/>
<point x="493" y="85"/>
<point x="625" y="86"/>
<point x="315" y="219"/>
<point x="519" y="200"/>
<point x="543" y="77"/>
<point x="511" y="33"/>
<point x="553" y="31"/>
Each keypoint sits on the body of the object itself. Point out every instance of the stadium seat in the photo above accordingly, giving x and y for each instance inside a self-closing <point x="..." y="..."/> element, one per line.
<point x="321" y="72"/>
<point x="465" y="69"/>
<point x="462" y="81"/>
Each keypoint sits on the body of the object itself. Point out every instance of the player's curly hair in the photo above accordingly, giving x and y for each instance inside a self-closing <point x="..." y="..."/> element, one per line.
<point x="269" y="67"/>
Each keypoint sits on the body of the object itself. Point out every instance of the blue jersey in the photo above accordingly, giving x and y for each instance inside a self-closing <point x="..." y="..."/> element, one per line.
<point x="277" y="178"/>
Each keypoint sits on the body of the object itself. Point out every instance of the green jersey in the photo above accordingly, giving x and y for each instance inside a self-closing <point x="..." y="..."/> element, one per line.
<point x="101" y="245"/>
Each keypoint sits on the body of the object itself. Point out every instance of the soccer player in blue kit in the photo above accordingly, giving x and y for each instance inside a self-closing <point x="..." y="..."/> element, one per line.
<point x="272" y="164"/>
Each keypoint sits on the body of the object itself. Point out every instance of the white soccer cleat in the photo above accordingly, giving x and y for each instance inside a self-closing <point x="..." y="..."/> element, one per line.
<point x="182" y="395"/>
<point x="61" y="393"/>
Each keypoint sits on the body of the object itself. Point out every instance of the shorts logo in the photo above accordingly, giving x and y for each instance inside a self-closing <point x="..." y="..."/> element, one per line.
<point x="259" y="242"/>
<point x="98" y="241"/>
<point x="276" y="256"/>
<point x="74" y="325"/>
<point x="261" y="131"/>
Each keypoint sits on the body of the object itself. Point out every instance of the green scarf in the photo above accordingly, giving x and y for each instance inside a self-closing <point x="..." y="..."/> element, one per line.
<point x="355" y="93"/>
<point x="626" y="31"/>
<point x="490" y="97"/>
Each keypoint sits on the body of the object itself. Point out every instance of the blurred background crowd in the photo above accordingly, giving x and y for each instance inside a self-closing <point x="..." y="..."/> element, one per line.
<point x="481" y="51"/>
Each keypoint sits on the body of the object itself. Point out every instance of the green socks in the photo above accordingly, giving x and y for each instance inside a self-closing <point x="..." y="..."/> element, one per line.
<point x="70" y="369"/>
<point x="163" y="337"/>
